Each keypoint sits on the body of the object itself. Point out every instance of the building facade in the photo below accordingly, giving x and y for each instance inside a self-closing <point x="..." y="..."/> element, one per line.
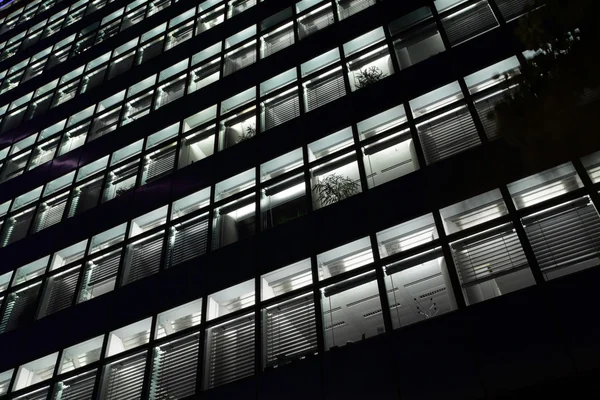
<point x="282" y="199"/>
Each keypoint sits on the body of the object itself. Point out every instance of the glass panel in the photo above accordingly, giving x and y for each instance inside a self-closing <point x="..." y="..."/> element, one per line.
<point x="382" y="122"/>
<point x="491" y="264"/>
<point x="80" y="355"/>
<point x="436" y="99"/>
<point x="344" y="258"/>
<point x="35" y="371"/>
<point x="234" y="221"/>
<point x="68" y="255"/>
<point x="179" y="318"/>
<point x="320" y="62"/>
<point x="238" y="100"/>
<point x="148" y="221"/>
<point x="289" y="330"/>
<point x="191" y="203"/>
<point x="493" y="75"/>
<point x="26" y="199"/>
<point x="315" y="20"/>
<point x="565" y="238"/>
<point x="416" y="38"/>
<point x="544" y="186"/>
<point x="351" y="311"/>
<point x="162" y="136"/>
<point x="100" y="276"/>
<point x="278" y="81"/>
<point x="474" y="211"/>
<point x="92" y="168"/>
<point x="30" y="271"/>
<point x="281" y="165"/>
<point x="286" y="279"/>
<point x="127" y="152"/>
<point x="283" y="201"/>
<point x="5" y="378"/>
<point x="592" y="165"/>
<point x="235" y="184"/>
<point x="58" y="184"/>
<point x="237" y="128"/>
<point x="407" y="235"/>
<point x="390" y="158"/>
<point x="335" y="180"/>
<point x="129" y="337"/>
<point x="108" y="238"/>
<point x="231" y="299"/>
<point x="419" y="289"/>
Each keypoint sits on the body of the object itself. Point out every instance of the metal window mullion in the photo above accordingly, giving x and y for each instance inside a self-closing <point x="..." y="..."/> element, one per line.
<point x="359" y="159"/>
<point x="497" y="13"/>
<point x="440" y="26"/>
<point x="588" y="183"/>
<point x="474" y="114"/>
<point x="149" y="356"/>
<point x="522" y="235"/>
<point x="201" y="342"/>
<point x="415" y="135"/>
<point x="385" y="306"/>
<point x="450" y="266"/>
<point x="85" y="259"/>
<point x="121" y="271"/>
<point x="258" y="334"/>
<point x="102" y="368"/>
<point x="318" y="308"/>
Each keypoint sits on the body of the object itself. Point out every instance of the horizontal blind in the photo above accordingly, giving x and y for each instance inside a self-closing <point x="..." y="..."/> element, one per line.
<point x="564" y="238"/>
<point x="41" y="394"/>
<point x="103" y="269"/>
<point x="143" y="259"/>
<point x="350" y="7"/>
<point x="281" y="110"/>
<point x="488" y="257"/>
<point x="469" y="22"/>
<point x="278" y="41"/>
<point x="61" y="292"/>
<point x="20" y="308"/>
<point x="231" y="352"/>
<point x="313" y="23"/>
<point x="239" y="59"/>
<point x="124" y="379"/>
<point x="17" y="227"/>
<point x="174" y="369"/>
<point x="291" y="330"/>
<point x="512" y="9"/>
<point x="51" y="214"/>
<point x="85" y="197"/>
<point x="323" y="91"/>
<point x="188" y="241"/>
<point x="447" y="135"/>
<point x="77" y="388"/>
<point x="161" y="164"/>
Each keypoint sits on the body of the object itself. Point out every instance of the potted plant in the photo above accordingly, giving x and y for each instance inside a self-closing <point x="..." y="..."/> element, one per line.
<point x="250" y="133"/>
<point x="368" y="76"/>
<point x="334" y="188"/>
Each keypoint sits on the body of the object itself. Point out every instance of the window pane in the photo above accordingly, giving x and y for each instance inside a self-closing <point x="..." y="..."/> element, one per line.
<point x="544" y="186"/>
<point x="286" y="279"/>
<point x="419" y="288"/>
<point x="179" y="319"/>
<point x="35" y="371"/>
<point x="351" y="311"/>
<point x="231" y="299"/>
<point x="81" y="354"/>
<point x="565" y="238"/>
<point x="345" y="258"/>
<point x="474" y="211"/>
<point x="283" y="201"/>
<point x="128" y="337"/>
<point x="390" y="158"/>
<point x="335" y="180"/>
<point x="290" y="331"/>
<point x="491" y="264"/>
